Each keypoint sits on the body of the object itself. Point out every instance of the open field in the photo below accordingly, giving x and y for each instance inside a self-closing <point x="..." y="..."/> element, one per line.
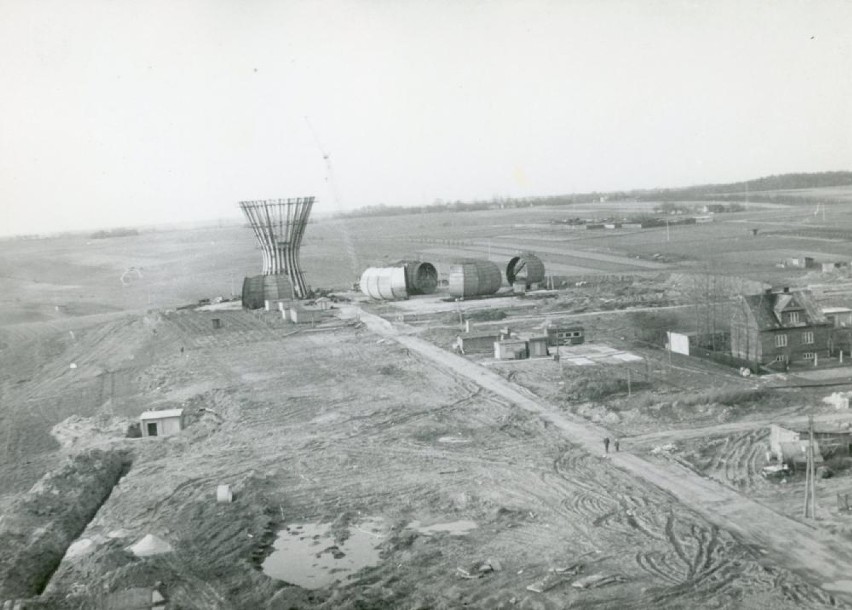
<point x="449" y="481"/>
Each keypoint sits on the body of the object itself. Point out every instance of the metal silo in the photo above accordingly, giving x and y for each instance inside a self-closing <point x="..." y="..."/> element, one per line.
<point x="525" y="268"/>
<point x="472" y="277"/>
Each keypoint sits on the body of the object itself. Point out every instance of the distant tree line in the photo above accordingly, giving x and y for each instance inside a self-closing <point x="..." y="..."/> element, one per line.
<point x="751" y="190"/>
<point x="113" y="233"/>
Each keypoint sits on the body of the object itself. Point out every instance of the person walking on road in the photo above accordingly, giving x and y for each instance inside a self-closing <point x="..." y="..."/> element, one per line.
<point x="606" y="444"/>
<point x="616" y="445"/>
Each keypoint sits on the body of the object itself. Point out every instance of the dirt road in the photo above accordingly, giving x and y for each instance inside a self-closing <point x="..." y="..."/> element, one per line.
<point x="819" y="557"/>
<point x="665" y="436"/>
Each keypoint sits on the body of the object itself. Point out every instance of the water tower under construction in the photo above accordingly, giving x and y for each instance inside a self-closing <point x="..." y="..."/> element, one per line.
<point x="278" y="225"/>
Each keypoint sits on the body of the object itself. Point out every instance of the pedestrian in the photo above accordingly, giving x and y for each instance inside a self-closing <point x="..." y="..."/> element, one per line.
<point x="616" y="445"/>
<point x="606" y="444"/>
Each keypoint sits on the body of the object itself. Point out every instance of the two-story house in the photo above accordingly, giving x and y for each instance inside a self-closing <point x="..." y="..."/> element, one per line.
<point x="779" y="328"/>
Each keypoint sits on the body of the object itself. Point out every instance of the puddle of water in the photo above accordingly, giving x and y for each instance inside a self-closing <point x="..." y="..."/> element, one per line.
<point x="454" y="528"/>
<point x="453" y="439"/>
<point x="841" y="586"/>
<point x="305" y="554"/>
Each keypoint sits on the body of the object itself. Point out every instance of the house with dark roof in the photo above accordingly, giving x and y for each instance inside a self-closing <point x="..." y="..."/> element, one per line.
<point x="779" y="328"/>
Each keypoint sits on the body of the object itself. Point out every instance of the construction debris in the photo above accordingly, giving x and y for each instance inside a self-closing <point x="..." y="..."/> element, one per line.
<point x="150" y="545"/>
<point x="592" y="581"/>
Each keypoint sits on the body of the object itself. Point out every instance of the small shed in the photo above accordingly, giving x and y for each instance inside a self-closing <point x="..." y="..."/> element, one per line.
<point x="537" y="347"/>
<point x="305" y="315"/>
<point x="565" y="335"/>
<point x="161" y="423"/>
<point x="840" y="317"/>
<point x="477" y="342"/>
<point x="680" y="343"/>
<point x="510" y="349"/>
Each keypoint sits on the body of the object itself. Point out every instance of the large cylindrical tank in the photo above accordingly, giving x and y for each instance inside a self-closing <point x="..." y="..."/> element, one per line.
<point x="471" y="277"/>
<point x="258" y="289"/>
<point x="420" y="277"/>
<point x="526" y="268"/>
<point x="384" y="283"/>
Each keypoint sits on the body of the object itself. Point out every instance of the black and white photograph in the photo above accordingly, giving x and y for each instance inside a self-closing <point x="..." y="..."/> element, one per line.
<point x="425" y="304"/>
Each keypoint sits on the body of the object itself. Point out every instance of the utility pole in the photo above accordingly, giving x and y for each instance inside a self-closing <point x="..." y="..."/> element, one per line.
<point x="628" y="382"/>
<point x="810" y="505"/>
<point x="668" y="236"/>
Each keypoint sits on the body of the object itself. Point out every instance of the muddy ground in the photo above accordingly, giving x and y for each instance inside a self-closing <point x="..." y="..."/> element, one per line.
<point x="338" y="426"/>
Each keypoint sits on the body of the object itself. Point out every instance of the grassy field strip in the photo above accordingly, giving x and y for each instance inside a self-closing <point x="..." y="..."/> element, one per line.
<point x="450" y="253"/>
<point x="819" y="557"/>
<point x="586" y="254"/>
<point x="554" y="260"/>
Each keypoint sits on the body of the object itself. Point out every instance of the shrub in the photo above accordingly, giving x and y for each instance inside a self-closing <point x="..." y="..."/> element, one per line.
<point x="485" y="315"/>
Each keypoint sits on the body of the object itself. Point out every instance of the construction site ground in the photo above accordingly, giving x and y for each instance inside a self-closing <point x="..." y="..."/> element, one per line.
<point x="372" y="429"/>
<point x="361" y="422"/>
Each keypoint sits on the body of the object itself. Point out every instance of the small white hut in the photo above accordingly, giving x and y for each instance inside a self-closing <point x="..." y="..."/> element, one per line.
<point x="161" y="423"/>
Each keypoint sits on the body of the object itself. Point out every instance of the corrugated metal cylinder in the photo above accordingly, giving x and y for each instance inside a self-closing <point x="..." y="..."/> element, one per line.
<point x="421" y="277"/>
<point x="472" y="277"/>
<point x="526" y="268"/>
<point x="384" y="283"/>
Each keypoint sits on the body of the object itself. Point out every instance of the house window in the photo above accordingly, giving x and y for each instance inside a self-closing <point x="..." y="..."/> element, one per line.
<point x="780" y="340"/>
<point x="794" y="317"/>
<point x="808" y="355"/>
<point x="807" y="338"/>
<point x="780" y="358"/>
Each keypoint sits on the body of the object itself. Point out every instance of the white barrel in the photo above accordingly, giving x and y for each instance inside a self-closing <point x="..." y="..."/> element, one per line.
<point x="224" y="494"/>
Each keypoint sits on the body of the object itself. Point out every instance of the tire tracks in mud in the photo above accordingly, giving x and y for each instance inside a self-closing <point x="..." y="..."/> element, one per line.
<point x="814" y="556"/>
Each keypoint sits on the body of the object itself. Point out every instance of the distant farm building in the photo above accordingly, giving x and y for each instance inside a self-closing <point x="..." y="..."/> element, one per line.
<point x="779" y="327"/>
<point x="565" y="335"/>
<point x="161" y="423"/>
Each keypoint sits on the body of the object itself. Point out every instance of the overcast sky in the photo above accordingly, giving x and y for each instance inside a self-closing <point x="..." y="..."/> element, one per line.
<point x="128" y="112"/>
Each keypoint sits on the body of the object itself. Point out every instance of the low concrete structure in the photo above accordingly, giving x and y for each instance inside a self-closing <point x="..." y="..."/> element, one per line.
<point x="161" y="423"/>
<point x="307" y="315"/>
<point x="478" y="341"/>
<point x="510" y="349"/>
